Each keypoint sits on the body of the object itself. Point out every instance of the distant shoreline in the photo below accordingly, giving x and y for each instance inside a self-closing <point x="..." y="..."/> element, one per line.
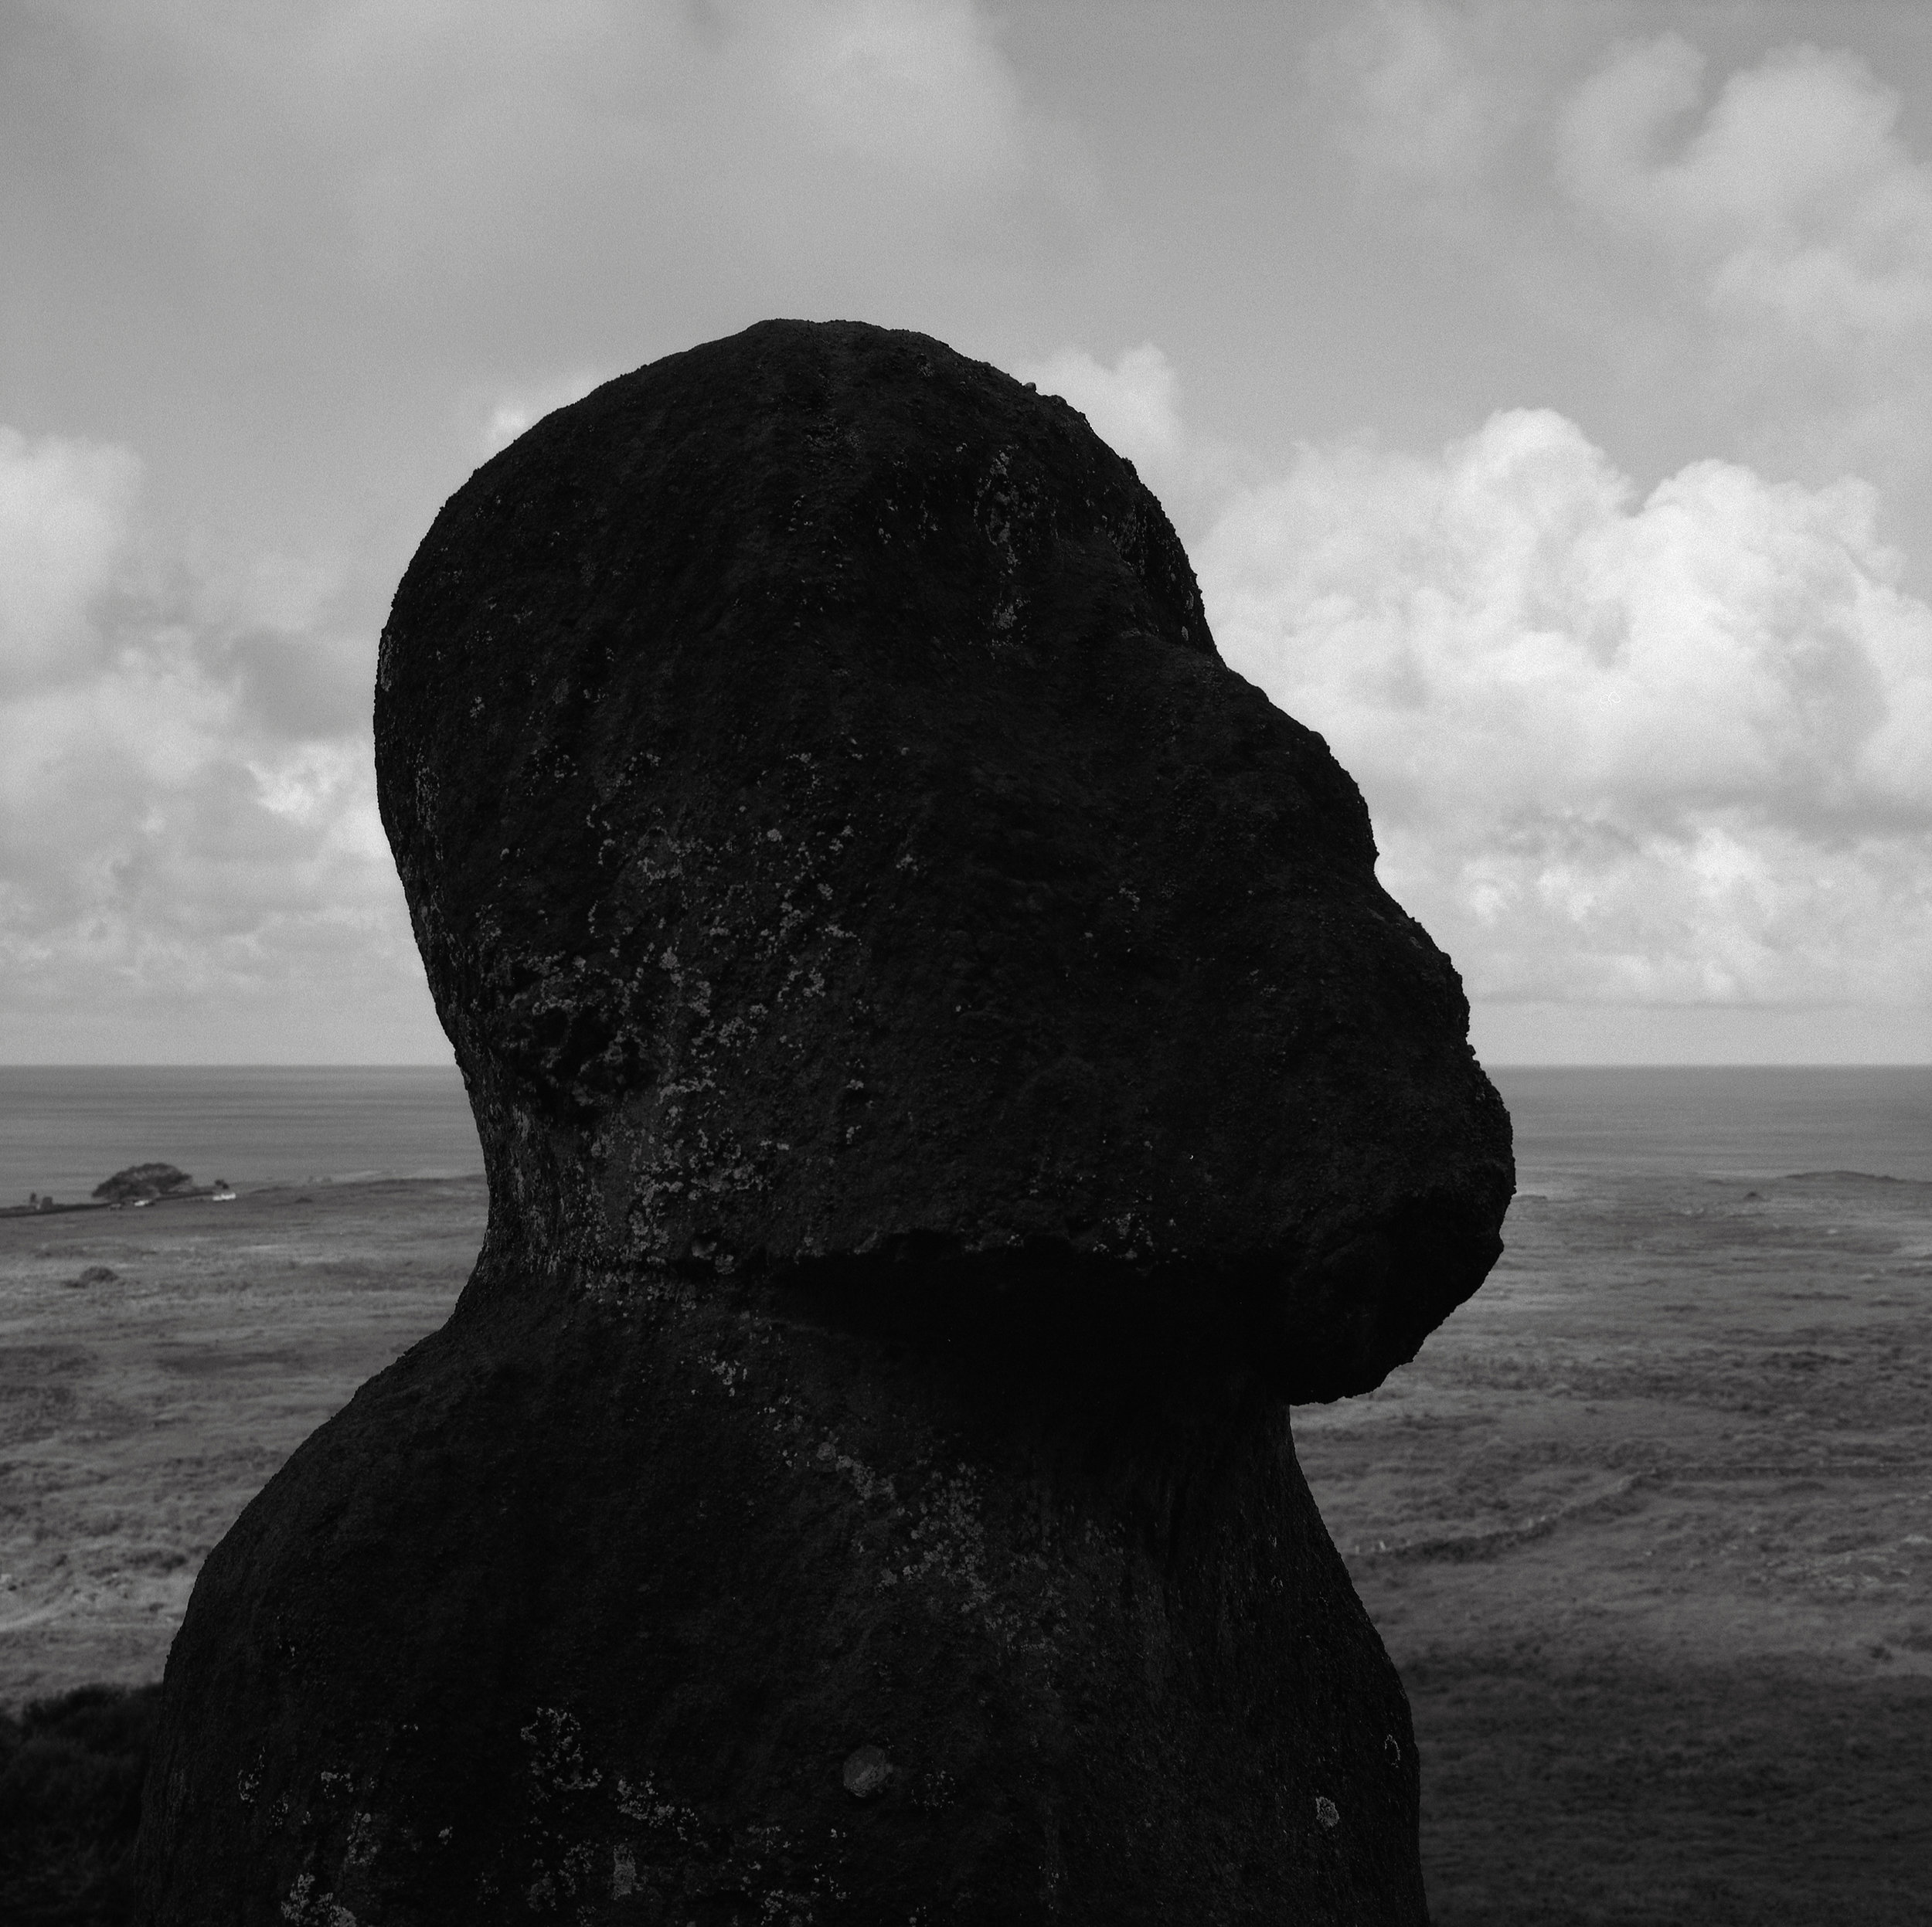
<point x="207" y="1194"/>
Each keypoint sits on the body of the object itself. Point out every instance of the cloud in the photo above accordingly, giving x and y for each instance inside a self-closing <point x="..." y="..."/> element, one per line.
<point x="188" y="830"/>
<point x="357" y="245"/>
<point x="1789" y="201"/>
<point x="1658" y="750"/>
<point x="1418" y="90"/>
<point x="580" y="146"/>
<point x="1134" y="407"/>
<point x="63" y="512"/>
<point x="1623" y="750"/>
<point x="1746" y="255"/>
<point x="508" y="414"/>
<point x="1792" y="226"/>
<point x="1795" y="199"/>
<point x="921" y="87"/>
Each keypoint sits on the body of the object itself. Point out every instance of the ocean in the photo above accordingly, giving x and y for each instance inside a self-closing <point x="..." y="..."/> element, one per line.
<point x="1746" y="1121"/>
<point x="62" y="1130"/>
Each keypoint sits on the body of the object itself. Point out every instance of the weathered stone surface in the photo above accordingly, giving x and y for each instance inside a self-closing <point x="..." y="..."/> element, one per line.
<point x="948" y="1077"/>
<point x="874" y="858"/>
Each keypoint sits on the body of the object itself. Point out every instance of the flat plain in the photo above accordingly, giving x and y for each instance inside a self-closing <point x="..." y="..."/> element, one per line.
<point x="139" y="1413"/>
<point x="1646" y="1526"/>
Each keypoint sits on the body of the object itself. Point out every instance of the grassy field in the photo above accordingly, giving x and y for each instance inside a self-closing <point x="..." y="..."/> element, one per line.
<point x="139" y="1414"/>
<point x="1648" y="1526"/>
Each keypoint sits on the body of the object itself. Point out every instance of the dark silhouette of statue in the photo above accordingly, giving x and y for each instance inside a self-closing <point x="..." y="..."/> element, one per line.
<point x="950" y="1080"/>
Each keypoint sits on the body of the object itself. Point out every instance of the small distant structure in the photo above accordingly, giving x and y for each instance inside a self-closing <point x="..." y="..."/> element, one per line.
<point x="142" y="1183"/>
<point x="37" y="1202"/>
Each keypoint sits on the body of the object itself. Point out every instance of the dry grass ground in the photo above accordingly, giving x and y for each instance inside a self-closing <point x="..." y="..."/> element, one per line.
<point x="1648" y="1526"/>
<point x="139" y="1415"/>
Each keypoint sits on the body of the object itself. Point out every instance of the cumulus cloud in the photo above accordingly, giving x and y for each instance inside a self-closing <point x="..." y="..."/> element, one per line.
<point x="1665" y="749"/>
<point x="1133" y="406"/>
<point x="1791" y="213"/>
<point x="189" y="850"/>
<point x="1795" y="197"/>
<point x="361" y="246"/>
<point x="1788" y="197"/>
<point x="1749" y="251"/>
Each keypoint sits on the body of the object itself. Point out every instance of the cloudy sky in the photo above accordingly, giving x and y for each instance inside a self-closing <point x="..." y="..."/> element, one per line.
<point x="1543" y="391"/>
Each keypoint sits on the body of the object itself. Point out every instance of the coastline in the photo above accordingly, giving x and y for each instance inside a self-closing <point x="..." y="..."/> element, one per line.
<point x="202" y="1194"/>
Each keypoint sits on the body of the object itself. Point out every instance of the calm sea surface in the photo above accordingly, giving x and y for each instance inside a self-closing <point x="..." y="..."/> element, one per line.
<point x="62" y="1130"/>
<point x="1749" y="1121"/>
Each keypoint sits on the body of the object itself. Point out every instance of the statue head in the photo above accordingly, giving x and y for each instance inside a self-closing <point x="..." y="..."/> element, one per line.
<point x="836" y="846"/>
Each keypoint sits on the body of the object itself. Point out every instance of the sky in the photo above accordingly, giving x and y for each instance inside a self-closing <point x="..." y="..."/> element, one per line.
<point x="1542" y="392"/>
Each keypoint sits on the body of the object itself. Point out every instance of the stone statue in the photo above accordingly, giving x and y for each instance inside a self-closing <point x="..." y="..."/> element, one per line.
<point x="949" y="1080"/>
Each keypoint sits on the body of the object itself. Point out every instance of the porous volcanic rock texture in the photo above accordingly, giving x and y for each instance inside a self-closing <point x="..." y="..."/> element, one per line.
<point x="949" y="1079"/>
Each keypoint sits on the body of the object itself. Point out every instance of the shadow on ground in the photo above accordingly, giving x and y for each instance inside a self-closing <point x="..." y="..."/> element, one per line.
<point x="1629" y="1796"/>
<point x="70" y="1775"/>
